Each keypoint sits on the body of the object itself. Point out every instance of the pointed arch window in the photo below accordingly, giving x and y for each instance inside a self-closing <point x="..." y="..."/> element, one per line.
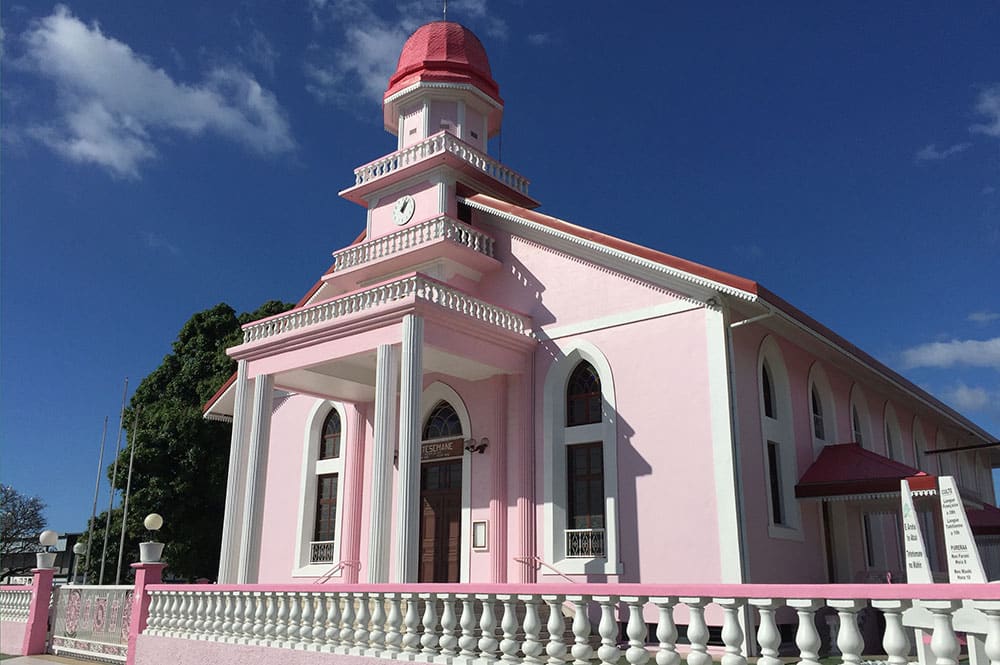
<point x="767" y="388"/>
<point x="442" y="422"/>
<point x="819" y="431"/>
<point x="583" y="396"/>
<point x="859" y="437"/>
<point x="329" y="445"/>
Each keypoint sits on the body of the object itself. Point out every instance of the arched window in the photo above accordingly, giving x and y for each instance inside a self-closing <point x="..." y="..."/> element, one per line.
<point x="861" y="430"/>
<point x="819" y="431"/>
<point x="767" y="388"/>
<point x="780" y="466"/>
<point x="442" y="422"/>
<point x="581" y="459"/>
<point x="583" y="396"/>
<point x="859" y="436"/>
<point x="893" y="435"/>
<point x="329" y="445"/>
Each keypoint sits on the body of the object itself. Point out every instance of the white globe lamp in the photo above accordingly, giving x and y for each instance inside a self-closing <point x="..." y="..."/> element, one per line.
<point x="45" y="558"/>
<point x="151" y="550"/>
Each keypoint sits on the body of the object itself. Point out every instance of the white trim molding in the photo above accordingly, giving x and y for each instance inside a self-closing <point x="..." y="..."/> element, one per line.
<point x="311" y="468"/>
<point x="557" y="437"/>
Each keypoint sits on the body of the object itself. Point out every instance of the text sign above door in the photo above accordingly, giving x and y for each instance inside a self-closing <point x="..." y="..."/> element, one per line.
<point x="441" y="449"/>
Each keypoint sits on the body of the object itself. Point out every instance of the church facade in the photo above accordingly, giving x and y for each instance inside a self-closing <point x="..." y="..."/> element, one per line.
<point x="479" y="392"/>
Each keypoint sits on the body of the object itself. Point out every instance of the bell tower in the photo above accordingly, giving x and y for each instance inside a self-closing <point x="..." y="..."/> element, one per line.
<point x="443" y="106"/>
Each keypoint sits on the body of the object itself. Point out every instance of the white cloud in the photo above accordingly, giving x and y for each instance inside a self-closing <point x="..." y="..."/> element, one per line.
<point x="260" y="51"/>
<point x="115" y="104"/>
<point x="154" y="241"/>
<point x="931" y="152"/>
<point x="972" y="398"/>
<point x="983" y="317"/>
<point x="969" y="352"/>
<point x="369" y="47"/>
<point x="988" y="106"/>
<point x="539" y="38"/>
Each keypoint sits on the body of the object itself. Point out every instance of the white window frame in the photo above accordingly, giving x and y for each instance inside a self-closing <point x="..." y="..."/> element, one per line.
<point x="860" y="404"/>
<point x="311" y="469"/>
<point x="557" y="437"/>
<point x="819" y="382"/>
<point x="891" y="429"/>
<point x="779" y="430"/>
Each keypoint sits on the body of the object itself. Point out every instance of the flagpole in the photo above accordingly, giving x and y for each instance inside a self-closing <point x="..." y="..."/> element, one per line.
<point x="93" y="511"/>
<point x="114" y="475"/>
<point x="128" y="488"/>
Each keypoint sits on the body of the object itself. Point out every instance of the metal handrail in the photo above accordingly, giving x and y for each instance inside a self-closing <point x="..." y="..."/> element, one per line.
<point x="340" y="565"/>
<point x="538" y="563"/>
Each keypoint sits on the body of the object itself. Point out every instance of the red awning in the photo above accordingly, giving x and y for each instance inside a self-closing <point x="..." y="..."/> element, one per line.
<point x="847" y="469"/>
<point x="984" y="521"/>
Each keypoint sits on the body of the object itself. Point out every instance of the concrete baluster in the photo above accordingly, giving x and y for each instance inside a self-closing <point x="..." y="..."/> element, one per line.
<point x="806" y="636"/>
<point x="666" y="631"/>
<point x="448" y="641"/>
<point x="294" y="621"/>
<point x="556" y="648"/>
<point x="319" y="622"/>
<point x="768" y="635"/>
<point x="249" y="611"/>
<point x="508" y="624"/>
<point x="894" y="641"/>
<point x="944" y="644"/>
<point x="362" y="619"/>
<point x="487" y="625"/>
<point x="347" y="625"/>
<point x="377" y="636"/>
<point x="467" y="643"/>
<point x="393" y="636"/>
<point x="532" y="646"/>
<point x="219" y="620"/>
<point x="270" y="618"/>
<point x="429" y="640"/>
<point x="732" y="633"/>
<point x="411" y="621"/>
<point x="608" y="652"/>
<point x="332" y="622"/>
<point x="307" y="602"/>
<point x="281" y="625"/>
<point x="236" y="635"/>
<point x="991" y="609"/>
<point x="849" y="639"/>
<point x="697" y="632"/>
<point x="581" y="650"/>
<point x="636" y="631"/>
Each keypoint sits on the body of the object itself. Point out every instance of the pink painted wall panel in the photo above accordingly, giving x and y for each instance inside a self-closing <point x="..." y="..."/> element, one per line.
<point x="474" y="123"/>
<point x="425" y="195"/>
<point x="152" y="650"/>
<point x="668" y="525"/>
<point x="12" y="637"/>
<point x="413" y="121"/>
<point x="444" y="116"/>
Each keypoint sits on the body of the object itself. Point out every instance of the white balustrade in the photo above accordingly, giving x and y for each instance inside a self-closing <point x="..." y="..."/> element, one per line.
<point x="439" y="228"/>
<point x="409" y="287"/>
<point x="421" y="624"/>
<point x="15" y="603"/>
<point x="437" y="144"/>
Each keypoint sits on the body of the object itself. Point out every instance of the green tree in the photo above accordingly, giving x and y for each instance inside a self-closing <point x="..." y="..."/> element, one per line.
<point x="181" y="459"/>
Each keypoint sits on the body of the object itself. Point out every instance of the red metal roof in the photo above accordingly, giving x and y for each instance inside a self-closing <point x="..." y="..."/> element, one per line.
<point x="847" y="468"/>
<point x="444" y="52"/>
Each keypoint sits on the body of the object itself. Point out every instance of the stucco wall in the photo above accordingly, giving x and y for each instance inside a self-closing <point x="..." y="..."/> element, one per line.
<point x="12" y="637"/>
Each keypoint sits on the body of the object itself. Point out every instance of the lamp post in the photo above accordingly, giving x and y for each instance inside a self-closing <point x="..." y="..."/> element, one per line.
<point x="47" y="558"/>
<point x="151" y="550"/>
<point x="78" y="550"/>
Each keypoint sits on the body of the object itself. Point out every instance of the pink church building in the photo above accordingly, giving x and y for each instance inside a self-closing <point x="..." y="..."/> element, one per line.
<point x="479" y="392"/>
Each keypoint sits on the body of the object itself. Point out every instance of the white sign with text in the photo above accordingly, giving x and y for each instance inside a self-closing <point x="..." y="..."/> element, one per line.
<point x="918" y="570"/>
<point x="964" y="566"/>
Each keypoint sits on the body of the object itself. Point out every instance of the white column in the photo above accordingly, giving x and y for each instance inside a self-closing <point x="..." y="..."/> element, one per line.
<point x="260" y="432"/>
<point x="386" y="384"/>
<point x="231" y="519"/>
<point x="410" y="385"/>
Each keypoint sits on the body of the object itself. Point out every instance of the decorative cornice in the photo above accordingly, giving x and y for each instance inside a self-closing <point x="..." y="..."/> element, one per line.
<point x="617" y="259"/>
<point x="444" y="86"/>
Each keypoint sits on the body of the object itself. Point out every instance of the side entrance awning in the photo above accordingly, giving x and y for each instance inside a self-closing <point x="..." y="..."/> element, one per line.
<point x="847" y="471"/>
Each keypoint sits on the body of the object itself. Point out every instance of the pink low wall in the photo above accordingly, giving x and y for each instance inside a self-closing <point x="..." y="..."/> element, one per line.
<point x="12" y="637"/>
<point x="159" y="650"/>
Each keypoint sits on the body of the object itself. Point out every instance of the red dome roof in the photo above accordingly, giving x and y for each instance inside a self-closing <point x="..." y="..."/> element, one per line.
<point x="444" y="52"/>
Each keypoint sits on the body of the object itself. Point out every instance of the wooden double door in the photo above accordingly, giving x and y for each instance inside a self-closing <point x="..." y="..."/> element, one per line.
<point x="440" y="521"/>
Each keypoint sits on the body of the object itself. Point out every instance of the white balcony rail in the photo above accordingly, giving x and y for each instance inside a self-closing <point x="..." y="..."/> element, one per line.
<point x="410" y="237"/>
<point x="437" y="144"/>
<point x="321" y="551"/>
<point x="14" y="603"/>
<point x="414" y="286"/>
<point x="584" y="543"/>
<point x="92" y="621"/>
<point x="469" y="624"/>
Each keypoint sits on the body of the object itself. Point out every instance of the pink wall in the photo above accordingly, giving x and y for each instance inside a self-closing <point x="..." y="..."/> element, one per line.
<point x="474" y="123"/>
<point x="413" y="121"/>
<point x="444" y="116"/>
<point x="12" y="637"/>
<point x="425" y="195"/>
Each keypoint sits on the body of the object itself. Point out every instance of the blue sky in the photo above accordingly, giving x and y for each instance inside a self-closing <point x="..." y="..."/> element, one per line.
<point x="161" y="157"/>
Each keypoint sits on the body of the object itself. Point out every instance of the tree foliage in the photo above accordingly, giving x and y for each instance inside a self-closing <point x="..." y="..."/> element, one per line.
<point x="21" y="520"/>
<point x="181" y="459"/>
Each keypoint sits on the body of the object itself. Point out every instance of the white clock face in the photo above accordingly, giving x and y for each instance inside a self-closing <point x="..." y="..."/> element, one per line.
<point x="402" y="210"/>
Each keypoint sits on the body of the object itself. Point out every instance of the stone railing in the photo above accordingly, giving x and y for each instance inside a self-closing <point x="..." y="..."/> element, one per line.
<point x="92" y="620"/>
<point x="413" y="236"/>
<point x="415" y="286"/>
<point x="15" y="602"/>
<point x="437" y="144"/>
<point x="484" y="623"/>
